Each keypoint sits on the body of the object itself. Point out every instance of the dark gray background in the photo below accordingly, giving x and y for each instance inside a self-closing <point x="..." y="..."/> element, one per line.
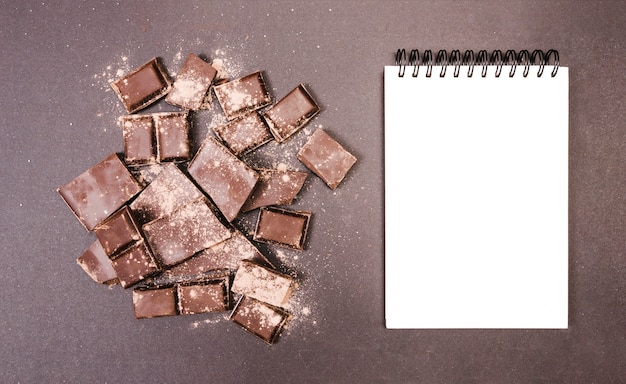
<point x="59" y="118"/>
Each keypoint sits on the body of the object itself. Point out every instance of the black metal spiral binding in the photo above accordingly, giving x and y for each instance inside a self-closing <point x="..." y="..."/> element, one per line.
<point x="483" y="58"/>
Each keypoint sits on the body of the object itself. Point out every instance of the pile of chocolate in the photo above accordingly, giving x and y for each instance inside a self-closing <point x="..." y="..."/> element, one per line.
<point x="172" y="239"/>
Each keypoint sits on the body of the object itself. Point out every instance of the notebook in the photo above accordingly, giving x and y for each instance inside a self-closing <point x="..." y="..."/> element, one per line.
<point x="476" y="190"/>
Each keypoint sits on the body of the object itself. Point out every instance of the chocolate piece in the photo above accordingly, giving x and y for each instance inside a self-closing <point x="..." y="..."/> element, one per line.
<point x="156" y="137"/>
<point x="244" y="134"/>
<point x="210" y="296"/>
<point x="154" y="302"/>
<point x="187" y="230"/>
<point x="284" y="227"/>
<point x="170" y="190"/>
<point x="275" y="187"/>
<point x="223" y="256"/>
<point x="134" y="264"/>
<point x="291" y="113"/>
<point x="259" y="318"/>
<point x="99" y="191"/>
<point x="227" y="180"/>
<point x="139" y="144"/>
<point x="326" y="158"/>
<point x="96" y="263"/>
<point x="192" y="83"/>
<point x="261" y="283"/>
<point x="242" y="95"/>
<point x="143" y="86"/>
<point x="118" y="231"/>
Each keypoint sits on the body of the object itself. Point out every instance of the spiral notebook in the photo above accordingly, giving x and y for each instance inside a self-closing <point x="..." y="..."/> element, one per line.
<point x="476" y="190"/>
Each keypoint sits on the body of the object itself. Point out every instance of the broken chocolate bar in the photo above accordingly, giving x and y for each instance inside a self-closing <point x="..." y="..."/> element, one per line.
<point x="258" y="318"/>
<point x="118" y="231"/>
<point x="203" y="297"/>
<point x="192" y="83"/>
<point x="227" y="180"/>
<point x="284" y="227"/>
<point x="291" y="113"/>
<point x="244" y="134"/>
<point x="326" y="158"/>
<point x="96" y="263"/>
<point x="143" y="86"/>
<point x="156" y="137"/>
<point x="170" y="190"/>
<point x="98" y="192"/>
<point x="189" y="229"/>
<point x="262" y="283"/>
<point x="157" y="302"/>
<point x="242" y="95"/>
<point x="275" y="187"/>
<point x="134" y="264"/>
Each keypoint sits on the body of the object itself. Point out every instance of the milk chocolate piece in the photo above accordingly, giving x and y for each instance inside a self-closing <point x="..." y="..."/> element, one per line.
<point x="203" y="297"/>
<point x="262" y="283"/>
<point x="184" y="232"/>
<point x="326" y="158"/>
<point x="227" y="180"/>
<point x="275" y="187"/>
<point x="154" y="302"/>
<point x="170" y="190"/>
<point x="291" y="113"/>
<point x="284" y="227"/>
<point x="242" y="95"/>
<point x="192" y="83"/>
<point x="96" y="263"/>
<point x="98" y="192"/>
<point x="258" y="318"/>
<point x="244" y="134"/>
<point x="118" y="231"/>
<point x="134" y="264"/>
<point x="156" y="137"/>
<point x="143" y="86"/>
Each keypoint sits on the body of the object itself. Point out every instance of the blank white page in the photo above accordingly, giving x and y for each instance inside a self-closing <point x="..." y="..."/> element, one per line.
<point x="476" y="199"/>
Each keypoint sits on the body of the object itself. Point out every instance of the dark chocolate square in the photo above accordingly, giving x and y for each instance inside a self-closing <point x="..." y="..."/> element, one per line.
<point x="154" y="302"/>
<point x="244" y="134"/>
<point x="284" y="227"/>
<point x="326" y="158"/>
<point x="143" y="86"/>
<point x="192" y="83"/>
<point x="227" y="180"/>
<point x="275" y="187"/>
<point x="101" y="190"/>
<point x="242" y="95"/>
<point x="262" y="283"/>
<point x="172" y="136"/>
<point x="291" y="113"/>
<point x="96" y="263"/>
<point x="189" y="229"/>
<point x="203" y="297"/>
<point x="258" y="318"/>
<point x="134" y="264"/>
<point x="138" y="131"/>
<point x="118" y="231"/>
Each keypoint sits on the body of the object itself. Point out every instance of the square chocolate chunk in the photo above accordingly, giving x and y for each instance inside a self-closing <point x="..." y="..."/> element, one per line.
<point x="118" y="231"/>
<point x="139" y="144"/>
<point x="143" y="86"/>
<point x="96" y="263"/>
<point x="275" y="187"/>
<point x="262" y="283"/>
<point x="260" y="319"/>
<point x="227" y="180"/>
<point x="242" y="95"/>
<point x="172" y="136"/>
<point x="170" y="190"/>
<point x="189" y="229"/>
<point x="154" y="302"/>
<point x="134" y="264"/>
<point x="202" y="297"/>
<point x="244" y="134"/>
<point x="101" y="190"/>
<point x="326" y="158"/>
<point x="284" y="227"/>
<point x="192" y="83"/>
<point x="291" y="113"/>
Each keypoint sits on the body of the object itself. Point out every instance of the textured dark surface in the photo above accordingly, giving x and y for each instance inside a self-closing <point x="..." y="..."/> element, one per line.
<point x="59" y="117"/>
